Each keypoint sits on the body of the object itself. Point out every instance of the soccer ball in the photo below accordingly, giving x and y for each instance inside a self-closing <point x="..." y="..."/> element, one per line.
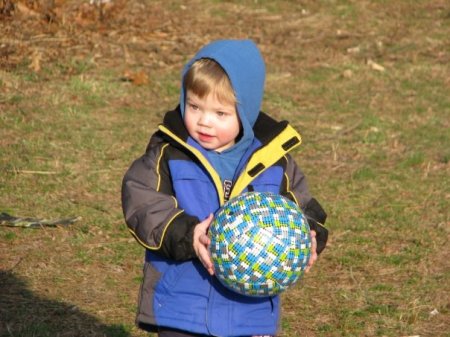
<point x="260" y="244"/>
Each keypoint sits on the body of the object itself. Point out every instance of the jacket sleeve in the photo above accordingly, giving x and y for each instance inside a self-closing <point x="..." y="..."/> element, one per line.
<point x="296" y="188"/>
<point x="151" y="211"/>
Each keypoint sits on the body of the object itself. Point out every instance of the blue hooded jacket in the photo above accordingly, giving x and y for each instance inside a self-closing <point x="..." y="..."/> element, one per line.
<point x="177" y="183"/>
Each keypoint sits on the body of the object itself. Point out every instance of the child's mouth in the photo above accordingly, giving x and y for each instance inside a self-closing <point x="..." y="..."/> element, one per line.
<point x="204" y="137"/>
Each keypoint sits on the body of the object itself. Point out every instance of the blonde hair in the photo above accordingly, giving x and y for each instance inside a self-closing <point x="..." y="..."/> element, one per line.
<point x="205" y="77"/>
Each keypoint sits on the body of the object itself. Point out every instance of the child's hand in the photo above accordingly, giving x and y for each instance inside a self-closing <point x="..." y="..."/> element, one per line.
<point x="313" y="257"/>
<point x="201" y="243"/>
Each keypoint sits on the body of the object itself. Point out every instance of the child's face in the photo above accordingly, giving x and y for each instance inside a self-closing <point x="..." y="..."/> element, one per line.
<point x="214" y="125"/>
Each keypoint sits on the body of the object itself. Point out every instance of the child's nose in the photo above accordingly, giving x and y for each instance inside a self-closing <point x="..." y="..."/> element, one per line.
<point x="205" y="119"/>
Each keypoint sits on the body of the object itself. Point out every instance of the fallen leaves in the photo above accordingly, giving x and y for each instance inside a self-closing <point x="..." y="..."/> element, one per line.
<point x="137" y="78"/>
<point x="24" y="10"/>
<point x="6" y="7"/>
<point x="375" y="66"/>
<point x="35" y="64"/>
<point x="36" y="33"/>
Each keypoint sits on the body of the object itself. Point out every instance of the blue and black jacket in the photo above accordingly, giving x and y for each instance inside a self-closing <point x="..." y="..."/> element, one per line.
<point x="173" y="187"/>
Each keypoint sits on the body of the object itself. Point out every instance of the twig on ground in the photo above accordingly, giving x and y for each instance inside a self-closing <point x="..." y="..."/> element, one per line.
<point x="13" y="221"/>
<point x="33" y="172"/>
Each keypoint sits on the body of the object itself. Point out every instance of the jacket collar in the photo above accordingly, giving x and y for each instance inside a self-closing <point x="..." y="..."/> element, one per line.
<point x="276" y="139"/>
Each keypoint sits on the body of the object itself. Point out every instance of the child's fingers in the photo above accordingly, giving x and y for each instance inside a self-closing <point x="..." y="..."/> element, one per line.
<point x="208" y="220"/>
<point x="313" y="256"/>
<point x="201" y="244"/>
<point x="204" y="239"/>
<point x="205" y="259"/>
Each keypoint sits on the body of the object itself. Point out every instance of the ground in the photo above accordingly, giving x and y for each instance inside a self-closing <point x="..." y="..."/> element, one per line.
<point x="83" y="85"/>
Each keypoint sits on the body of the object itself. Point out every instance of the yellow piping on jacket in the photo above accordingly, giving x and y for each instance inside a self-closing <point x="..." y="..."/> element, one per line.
<point x="289" y="190"/>
<point x="163" y="234"/>
<point x="158" y="185"/>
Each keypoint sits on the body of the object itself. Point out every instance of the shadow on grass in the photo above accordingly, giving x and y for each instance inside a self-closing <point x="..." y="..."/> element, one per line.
<point x="24" y="314"/>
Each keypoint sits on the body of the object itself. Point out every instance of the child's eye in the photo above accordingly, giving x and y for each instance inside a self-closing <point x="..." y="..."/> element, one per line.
<point x="193" y="106"/>
<point x="221" y="113"/>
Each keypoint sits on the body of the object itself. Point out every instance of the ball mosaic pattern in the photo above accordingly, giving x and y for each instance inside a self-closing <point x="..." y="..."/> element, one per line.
<point x="260" y="244"/>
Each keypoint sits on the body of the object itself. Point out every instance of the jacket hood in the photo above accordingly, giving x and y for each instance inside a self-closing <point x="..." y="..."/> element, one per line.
<point x="244" y="65"/>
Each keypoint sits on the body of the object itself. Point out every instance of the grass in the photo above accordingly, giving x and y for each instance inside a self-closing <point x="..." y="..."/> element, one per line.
<point x="375" y="150"/>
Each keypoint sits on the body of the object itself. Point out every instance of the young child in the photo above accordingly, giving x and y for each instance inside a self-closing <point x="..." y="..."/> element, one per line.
<point x="214" y="146"/>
